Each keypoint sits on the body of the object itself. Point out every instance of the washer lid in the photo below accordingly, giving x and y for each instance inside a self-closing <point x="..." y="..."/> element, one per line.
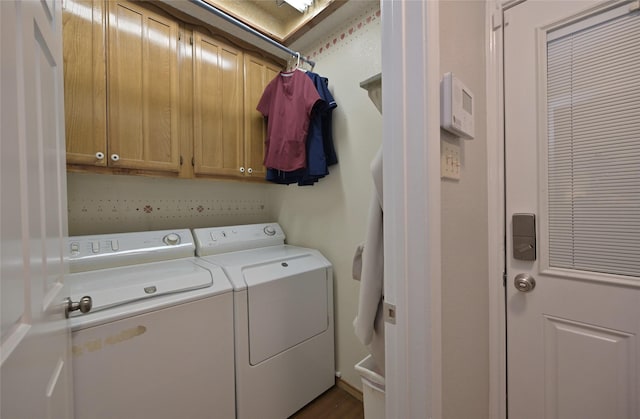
<point x="112" y="287"/>
<point x="236" y="263"/>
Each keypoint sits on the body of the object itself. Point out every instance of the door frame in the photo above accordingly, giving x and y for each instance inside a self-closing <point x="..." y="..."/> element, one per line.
<point x="411" y="160"/>
<point x="496" y="221"/>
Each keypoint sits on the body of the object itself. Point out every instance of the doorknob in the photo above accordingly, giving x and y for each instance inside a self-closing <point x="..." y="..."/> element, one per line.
<point x="524" y="282"/>
<point x="84" y="305"/>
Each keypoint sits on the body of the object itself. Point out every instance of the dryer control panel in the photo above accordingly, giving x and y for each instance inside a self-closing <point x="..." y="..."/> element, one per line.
<point x="87" y="253"/>
<point x="215" y="240"/>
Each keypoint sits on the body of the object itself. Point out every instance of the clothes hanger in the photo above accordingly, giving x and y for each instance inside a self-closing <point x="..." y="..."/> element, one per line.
<point x="292" y="65"/>
<point x="295" y="63"/>
<point x="298" y="64"/>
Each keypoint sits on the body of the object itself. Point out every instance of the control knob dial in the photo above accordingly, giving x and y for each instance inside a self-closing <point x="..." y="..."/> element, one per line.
<point x="171" y="239"/>
<point x="269" y="231"/>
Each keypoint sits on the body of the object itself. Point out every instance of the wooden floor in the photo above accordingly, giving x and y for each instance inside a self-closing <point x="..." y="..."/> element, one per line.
<point x="335" y="403"/>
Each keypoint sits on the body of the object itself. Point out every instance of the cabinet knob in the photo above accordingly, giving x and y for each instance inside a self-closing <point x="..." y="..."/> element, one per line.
<point x="242" y="170"/>
<point x="115" y="157"/>
<point x="99" y="155"/>
<point x="250" y="170"/>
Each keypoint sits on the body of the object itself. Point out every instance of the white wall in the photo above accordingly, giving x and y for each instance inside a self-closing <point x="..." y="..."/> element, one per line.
<point x="331" y="215"/>
<point x="465" y="293"/>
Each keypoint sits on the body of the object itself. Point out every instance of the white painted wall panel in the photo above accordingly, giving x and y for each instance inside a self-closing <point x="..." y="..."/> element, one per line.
<point x="465" y="293"/>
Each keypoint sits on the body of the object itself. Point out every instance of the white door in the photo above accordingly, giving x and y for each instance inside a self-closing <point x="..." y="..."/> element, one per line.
<point x="572" y="130"/>
<point x="35" y="367"/>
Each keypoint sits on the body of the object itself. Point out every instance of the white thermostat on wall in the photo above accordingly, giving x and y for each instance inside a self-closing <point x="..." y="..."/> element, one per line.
<point x="456" y="107"/>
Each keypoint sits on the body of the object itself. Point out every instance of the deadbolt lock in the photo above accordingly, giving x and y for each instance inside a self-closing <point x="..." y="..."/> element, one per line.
<point x="524" y="236"/>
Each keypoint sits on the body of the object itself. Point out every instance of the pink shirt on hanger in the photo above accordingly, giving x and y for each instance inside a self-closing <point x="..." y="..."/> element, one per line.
<point x="287" y="102"/>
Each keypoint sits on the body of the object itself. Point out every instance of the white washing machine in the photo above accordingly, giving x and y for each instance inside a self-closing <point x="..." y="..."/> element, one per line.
<point x="283" y="307"/>
<point x="158" y="341"/>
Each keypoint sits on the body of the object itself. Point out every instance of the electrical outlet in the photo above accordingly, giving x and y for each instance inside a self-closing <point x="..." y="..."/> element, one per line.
<point x="449" y="161"/>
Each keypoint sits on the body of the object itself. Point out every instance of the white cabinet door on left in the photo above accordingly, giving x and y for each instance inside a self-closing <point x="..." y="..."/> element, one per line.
<point x="35" y="367"/>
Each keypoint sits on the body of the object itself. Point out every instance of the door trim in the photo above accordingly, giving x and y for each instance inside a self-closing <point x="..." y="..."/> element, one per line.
<point x="411" y="143"/>
<point x="496" y="209"/>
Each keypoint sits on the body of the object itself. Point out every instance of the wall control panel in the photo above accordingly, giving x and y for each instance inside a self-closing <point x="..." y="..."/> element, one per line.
<point x="457" y="107"/>
<point x="449" y="161"/>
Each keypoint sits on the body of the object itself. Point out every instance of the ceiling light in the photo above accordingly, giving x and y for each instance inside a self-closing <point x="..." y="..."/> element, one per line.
<point x="299" y="5"/>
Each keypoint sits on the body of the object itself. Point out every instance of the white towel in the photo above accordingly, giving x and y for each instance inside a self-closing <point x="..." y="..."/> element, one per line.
<point x="369" y="324"/>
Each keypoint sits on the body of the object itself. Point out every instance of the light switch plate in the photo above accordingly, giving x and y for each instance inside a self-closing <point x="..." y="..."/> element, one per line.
<point x="449" y="161"/>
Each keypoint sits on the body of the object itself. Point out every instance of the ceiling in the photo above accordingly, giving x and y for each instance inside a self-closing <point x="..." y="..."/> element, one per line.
<point x="276" y="18"/>
<point x="284" y="24"/>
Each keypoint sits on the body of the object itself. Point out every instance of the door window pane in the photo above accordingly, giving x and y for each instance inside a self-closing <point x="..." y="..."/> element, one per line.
<point x="593" y="103"/>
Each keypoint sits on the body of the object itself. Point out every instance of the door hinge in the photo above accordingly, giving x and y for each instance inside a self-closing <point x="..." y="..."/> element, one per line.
<point x="504" y="279"/>
<point x="180" y="160"/>
<point x="496" y="19"/>
<point x="193" y="161"/>
<point x="191" y="40"/>
<point x="389" y="313"/>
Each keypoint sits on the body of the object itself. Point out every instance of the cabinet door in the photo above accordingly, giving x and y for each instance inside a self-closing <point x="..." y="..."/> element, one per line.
<point x="218" y="108"/>
<point x="258" y="73"/>
<point x="143" y="88"/>
<point x="85" y="84"/>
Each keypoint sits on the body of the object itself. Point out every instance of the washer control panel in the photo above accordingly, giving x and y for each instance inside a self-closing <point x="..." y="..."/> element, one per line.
<point x="214" y="240"/>
<point x="88" y="253"/>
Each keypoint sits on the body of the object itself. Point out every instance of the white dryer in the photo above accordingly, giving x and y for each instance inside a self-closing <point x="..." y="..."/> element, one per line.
<point x="283" y="307"/>
<point x="158" y="341"/>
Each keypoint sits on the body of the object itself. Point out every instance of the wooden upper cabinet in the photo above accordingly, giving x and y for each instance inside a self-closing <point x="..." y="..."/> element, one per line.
<point x="217" y="107"/>
<point x="85" y="82"/>
<point x="258" y="73"/>
<point x="123" y="71"/>
<point x="143" y="88"/>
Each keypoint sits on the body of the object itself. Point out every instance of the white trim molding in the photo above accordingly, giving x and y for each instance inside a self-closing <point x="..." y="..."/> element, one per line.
<point x="411" y="147"/>
<point x="496" y="214"/>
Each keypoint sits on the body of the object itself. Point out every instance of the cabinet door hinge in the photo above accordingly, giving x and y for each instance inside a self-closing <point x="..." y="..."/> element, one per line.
<point x="191" y="40"/>
<point x="180" y="160"/>
<point x="504" y="279"/>
<point x="193" y="161"/>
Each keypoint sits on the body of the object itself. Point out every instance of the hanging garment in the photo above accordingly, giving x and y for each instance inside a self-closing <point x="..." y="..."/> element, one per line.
<point x="287" y="102"/>
<point x="369" y="323"/>
<point x="320" y="138"/>
<point x="322" y="84"/>
<point x="319" y="141"/>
